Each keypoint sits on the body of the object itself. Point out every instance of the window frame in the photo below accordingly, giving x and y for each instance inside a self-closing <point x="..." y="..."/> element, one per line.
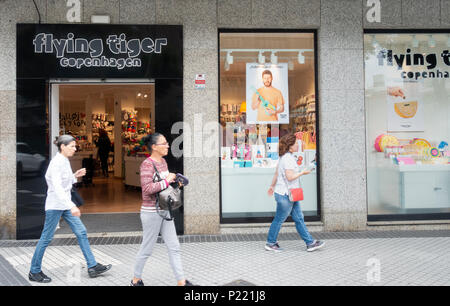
<point x="318" y="216"/>
<point x="398" y="217"/>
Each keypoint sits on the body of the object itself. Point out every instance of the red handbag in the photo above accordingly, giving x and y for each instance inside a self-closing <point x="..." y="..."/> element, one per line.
<point x="296" y="194"/>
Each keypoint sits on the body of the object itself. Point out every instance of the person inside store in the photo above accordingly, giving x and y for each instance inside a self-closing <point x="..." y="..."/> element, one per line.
<point x="60" y="178"/>
<point x="267" y="100"/>
<point x="155" y="221"/>
<point x="287" y="176"/>
<point x="104" y="146"/>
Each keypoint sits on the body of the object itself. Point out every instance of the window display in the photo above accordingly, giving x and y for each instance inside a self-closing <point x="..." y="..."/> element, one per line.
<point x="407" y="89"/>
<point x="267" y="90"/>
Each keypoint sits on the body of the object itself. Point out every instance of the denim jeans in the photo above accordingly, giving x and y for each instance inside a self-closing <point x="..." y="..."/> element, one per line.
<point x="52" y="218"/>
<point x="285" y="208"/>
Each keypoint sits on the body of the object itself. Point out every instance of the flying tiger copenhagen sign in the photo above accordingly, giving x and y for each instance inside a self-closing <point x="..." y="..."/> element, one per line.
<point x="69" y="49"/>
<point x="94" y="50"/>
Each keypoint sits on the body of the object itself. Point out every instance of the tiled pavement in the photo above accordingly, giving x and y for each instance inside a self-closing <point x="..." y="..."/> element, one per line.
<point x="361" y="259"/>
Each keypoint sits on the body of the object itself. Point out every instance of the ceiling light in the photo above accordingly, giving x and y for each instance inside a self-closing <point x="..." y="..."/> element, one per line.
<point x="301" y="58"/>
<point x="229" y="58"/>
<point x="139" y="94"/>
<point x="431" y="42"/>
<point x="291" y="65"/>
<point x="261" y="58"/>
<point x="415" y="42"/>
<point x="145" y="96"/>
<point x="374" y="42"/>
<point x="274" y="58"/>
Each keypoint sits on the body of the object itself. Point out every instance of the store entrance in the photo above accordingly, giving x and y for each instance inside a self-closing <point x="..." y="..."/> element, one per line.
<point x="108" y="121"/>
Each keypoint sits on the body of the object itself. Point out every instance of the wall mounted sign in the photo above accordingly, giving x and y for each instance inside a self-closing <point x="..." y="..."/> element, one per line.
<point x="93" y="50"/>
<point x="200" y="81"/>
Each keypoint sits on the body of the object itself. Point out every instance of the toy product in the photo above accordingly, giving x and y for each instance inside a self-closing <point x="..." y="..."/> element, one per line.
<point x="265" y="103"/>
<point x="421" y="142"/>
<point x="434" y="152"/>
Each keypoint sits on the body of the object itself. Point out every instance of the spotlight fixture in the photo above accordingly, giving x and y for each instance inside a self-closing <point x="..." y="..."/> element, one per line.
<point x="274" y="58"/>
<point x="415" y="42"/>
<point x="291" y="65"/>
<point x="229" y="58"/>
<point x="301" y="58"/>
<point x="139" y="94"/>
<point x="374" y="42"/>
<point x="431" y="42"/>
<point x="145" y="96"/>
<point x="261" y="58"/>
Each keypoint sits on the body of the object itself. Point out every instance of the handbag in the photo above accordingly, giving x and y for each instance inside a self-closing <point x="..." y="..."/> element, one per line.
<point x="170" y="198"/>
<point x="76" y="197"/>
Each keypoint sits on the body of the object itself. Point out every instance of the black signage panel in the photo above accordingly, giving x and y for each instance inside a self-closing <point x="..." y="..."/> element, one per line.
<point x="99" y="51"/>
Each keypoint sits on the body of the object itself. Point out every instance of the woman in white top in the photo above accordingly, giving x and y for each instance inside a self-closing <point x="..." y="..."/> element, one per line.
<point x="287" y="176"/>
<point x="60" y="178"/>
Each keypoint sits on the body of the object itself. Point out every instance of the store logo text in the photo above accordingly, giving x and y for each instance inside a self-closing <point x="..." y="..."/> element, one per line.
<point x="417" y="59"/>
<point x="117" y="45"/>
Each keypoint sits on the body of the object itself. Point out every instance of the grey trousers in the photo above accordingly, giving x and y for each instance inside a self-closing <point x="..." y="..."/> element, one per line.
<point x="152" y="225"/>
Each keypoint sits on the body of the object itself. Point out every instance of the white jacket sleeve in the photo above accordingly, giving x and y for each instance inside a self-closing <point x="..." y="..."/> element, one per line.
<point x="55" y="179"/>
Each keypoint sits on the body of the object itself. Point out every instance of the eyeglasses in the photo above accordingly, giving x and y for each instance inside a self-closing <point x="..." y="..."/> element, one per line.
<point x="162" y="144"/>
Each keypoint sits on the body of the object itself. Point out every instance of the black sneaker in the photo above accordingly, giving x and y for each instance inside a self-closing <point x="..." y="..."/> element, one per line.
<point x="39" y="277"/>
<point x="98" y="269"/>
<point x="139" y="283"/>
<point x="317" y="244"/>
<point x="188" y="283"/>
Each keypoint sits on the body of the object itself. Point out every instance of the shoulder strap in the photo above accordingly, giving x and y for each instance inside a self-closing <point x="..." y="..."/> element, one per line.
<point x="156" y="170"/>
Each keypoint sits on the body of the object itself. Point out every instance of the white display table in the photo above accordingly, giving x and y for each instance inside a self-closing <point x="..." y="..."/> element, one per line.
<point x="77" y="159"/>
<point x="245" y="190"/>
<point x="415" y="186"/>
<point x="132" y="170"/>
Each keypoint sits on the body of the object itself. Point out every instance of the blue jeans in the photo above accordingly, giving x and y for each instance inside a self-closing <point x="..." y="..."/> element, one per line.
<point x="52" y="218"/>
<point x="284" y="209"/>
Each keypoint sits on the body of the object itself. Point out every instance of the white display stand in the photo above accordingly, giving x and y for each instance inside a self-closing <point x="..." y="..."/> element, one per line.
<point x="415" y="186"/>
<point x="132" y="170"/>
<point x="77" y="159"/>
<point x="245" y="190"/>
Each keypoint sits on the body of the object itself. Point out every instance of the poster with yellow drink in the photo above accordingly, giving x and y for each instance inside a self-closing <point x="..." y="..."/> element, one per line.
<point x="405" y="111"/>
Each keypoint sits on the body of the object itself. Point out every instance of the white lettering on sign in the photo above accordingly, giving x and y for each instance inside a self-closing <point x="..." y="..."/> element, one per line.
<point x="374" y="13"/>
<point x="74" y="13"/>
<point x="116" y="44"/>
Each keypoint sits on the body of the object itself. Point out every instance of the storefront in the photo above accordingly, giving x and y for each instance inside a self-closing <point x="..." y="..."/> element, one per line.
<point x="106" y="85"/>
<point x="379" y="161"/>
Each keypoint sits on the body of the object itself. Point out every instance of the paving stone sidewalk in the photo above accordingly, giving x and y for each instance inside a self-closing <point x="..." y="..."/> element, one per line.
<point x="354" y="259"/>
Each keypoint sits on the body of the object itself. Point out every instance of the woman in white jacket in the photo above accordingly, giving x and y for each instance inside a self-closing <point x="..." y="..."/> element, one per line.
<point x="60" y="178"/>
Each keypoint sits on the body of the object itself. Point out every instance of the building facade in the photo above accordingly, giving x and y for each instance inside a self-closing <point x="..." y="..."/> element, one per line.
<point x="338" y="38"/>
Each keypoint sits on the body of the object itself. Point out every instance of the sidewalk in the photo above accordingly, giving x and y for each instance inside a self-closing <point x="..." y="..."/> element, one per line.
<point x="354" y="259"/>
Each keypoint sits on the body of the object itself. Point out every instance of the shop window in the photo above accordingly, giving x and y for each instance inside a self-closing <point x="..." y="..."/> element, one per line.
<point x="267" y="89"/>
<point x="407" y="90"/>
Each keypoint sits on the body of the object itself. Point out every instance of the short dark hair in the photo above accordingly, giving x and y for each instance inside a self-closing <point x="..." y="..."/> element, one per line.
<point x="64" y="140"/>
<point x="267" y="72"/>
<point x="151" y="139"/>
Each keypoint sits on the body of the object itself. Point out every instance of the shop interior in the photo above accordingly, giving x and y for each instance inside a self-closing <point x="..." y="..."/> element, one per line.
<point x="249" y="152"/>
<point x="108" y="121"/>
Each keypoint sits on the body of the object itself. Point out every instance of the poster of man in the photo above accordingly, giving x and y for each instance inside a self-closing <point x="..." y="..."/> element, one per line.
<point x="267" y="92"/>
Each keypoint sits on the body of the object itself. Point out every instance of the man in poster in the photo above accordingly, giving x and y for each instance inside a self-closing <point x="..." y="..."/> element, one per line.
<point x="267" y="100"/>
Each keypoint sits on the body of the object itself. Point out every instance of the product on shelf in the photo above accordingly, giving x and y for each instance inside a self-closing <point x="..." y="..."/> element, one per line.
<point x="382" y="141"/>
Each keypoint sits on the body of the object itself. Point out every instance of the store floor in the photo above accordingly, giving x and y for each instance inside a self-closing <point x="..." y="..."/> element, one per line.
<point x="109" y="195"/>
